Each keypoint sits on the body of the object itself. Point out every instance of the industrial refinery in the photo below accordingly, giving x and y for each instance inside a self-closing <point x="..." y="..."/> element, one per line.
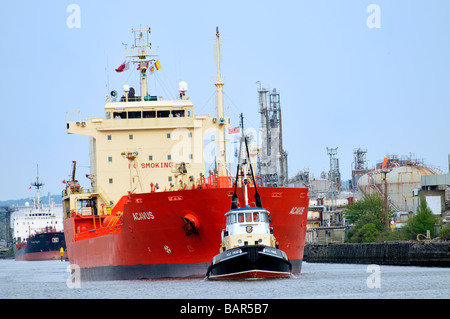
<point x="401" y="179"/>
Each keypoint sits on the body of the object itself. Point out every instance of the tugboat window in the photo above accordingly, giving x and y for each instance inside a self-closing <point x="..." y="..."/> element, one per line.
<point x="231" y="219"/>
<point x="248" y="217"/>
<point x="264" y="217"/>
<point x="255" y="217"/>
<point x="241" y="217"/>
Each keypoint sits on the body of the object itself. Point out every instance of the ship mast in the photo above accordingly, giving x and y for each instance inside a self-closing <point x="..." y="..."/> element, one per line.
<point x="220" y="119"/>
<point x="38" y="185"/>
<point x="142" y="53"/>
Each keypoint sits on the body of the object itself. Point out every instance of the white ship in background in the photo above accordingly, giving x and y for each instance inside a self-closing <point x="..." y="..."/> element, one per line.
<point x="39" y="233"/>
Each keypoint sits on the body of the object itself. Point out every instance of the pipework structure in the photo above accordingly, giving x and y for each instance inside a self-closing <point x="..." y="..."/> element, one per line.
<point x="334" y="175"/>
<point x="272" y="158"/>
<point x="359" y="165"/>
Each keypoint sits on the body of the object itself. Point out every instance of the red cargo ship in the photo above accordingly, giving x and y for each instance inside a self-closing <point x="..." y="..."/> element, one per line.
<point x="161" y="226"/>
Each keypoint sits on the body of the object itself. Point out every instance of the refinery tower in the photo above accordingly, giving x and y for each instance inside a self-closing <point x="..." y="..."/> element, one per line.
<point x="272" y="159"/>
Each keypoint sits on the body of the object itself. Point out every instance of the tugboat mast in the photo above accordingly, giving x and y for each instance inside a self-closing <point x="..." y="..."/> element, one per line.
<point x="220" y="118"/>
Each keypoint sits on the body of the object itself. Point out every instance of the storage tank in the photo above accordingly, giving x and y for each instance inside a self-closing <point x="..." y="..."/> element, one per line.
<point x="401" y="181"/>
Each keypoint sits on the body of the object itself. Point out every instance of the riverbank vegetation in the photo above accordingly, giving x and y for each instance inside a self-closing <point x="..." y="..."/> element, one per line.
<point x="367" y="218"/>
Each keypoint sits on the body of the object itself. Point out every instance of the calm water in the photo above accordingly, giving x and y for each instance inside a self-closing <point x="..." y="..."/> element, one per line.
<point x="48" y="279"/>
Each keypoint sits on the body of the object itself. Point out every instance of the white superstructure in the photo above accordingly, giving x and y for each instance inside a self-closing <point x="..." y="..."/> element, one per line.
<point x="37" y="218"/>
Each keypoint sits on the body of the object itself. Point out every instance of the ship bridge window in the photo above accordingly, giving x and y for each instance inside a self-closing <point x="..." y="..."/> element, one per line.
<point x="178" y="113"/>
<point x="163" y="113"/>
<point x="134" y="114"/>
<point x="87" y="205"/>
<point x="149" y="114"/>
<point x="241" y="217"/>
<point x="120" y="115"/>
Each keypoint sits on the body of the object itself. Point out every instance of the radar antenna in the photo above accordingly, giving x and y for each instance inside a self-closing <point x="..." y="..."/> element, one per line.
<point x="143" y="54"/>
<point x="37" y="185"/>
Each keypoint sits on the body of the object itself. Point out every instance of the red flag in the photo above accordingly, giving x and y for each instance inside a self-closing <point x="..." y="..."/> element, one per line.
<point x="233" y="130"/>
<point x="123" y="67"/>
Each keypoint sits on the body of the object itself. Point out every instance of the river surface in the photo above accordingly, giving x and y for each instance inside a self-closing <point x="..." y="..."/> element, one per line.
<point x="51" y="279"/>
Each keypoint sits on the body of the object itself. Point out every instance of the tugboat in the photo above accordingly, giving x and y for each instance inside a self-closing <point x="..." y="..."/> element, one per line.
<point x="249" y="249"/>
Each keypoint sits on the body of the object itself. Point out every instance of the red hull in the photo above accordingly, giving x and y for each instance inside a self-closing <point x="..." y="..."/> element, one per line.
<point x="151" y="242"/>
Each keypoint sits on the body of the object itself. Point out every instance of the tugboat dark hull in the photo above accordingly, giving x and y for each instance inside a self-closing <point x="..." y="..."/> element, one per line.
<point x="250" y="262"/>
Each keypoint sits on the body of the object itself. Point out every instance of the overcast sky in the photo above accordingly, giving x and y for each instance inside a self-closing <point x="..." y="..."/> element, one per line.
<point x="350" y="74"/>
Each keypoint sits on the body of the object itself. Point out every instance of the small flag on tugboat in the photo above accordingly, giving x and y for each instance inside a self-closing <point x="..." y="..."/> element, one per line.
<point x="123" y="67"/>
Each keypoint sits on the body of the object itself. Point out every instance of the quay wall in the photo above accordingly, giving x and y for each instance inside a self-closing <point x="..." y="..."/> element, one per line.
<point x="417" y="253"/>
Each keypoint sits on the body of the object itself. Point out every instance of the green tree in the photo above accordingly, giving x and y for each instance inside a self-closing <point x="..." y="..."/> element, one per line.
<point x="421" y="222"/>
<point x="367" y="216"/>
<point x="444" y="234"/>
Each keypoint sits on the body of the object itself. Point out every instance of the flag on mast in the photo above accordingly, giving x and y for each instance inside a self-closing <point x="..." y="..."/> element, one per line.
<point x="123" y="67"/>
<point x="155" y="66"/>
